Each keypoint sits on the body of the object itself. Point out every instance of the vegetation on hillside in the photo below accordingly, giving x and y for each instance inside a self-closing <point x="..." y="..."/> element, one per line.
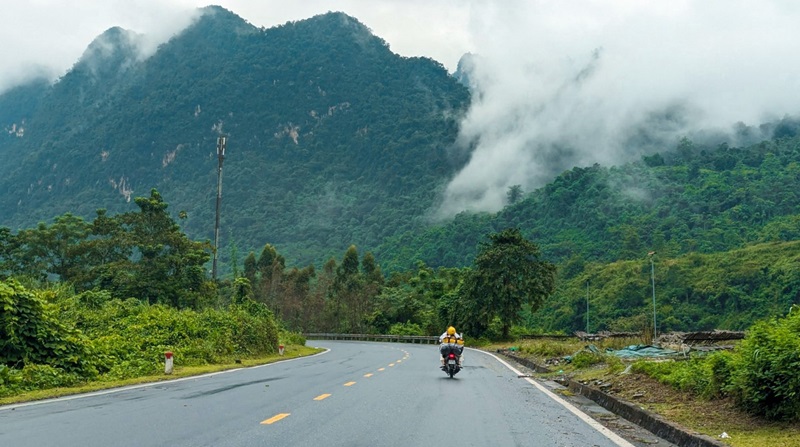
<point x="333" y="140"/>
<point x="53" y="337"/>
<point x="694" y="292"/>
<point x="107" y="298"/>
<point x="693" y="199"/>
<point x="760" y="374"/>
<point x="348" y="147"/>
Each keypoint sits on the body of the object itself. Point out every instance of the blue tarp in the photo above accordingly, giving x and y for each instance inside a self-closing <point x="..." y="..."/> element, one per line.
<point x="635" y="351"/>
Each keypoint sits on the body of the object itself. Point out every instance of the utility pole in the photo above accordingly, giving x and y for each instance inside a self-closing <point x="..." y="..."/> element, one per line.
<point x="221" y="141"/>
<point x="653" y="280"/>
<point x="587" y="307"/>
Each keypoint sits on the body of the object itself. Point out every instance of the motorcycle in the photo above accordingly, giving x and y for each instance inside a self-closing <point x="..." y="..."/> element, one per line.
<point x="451" y="354"/>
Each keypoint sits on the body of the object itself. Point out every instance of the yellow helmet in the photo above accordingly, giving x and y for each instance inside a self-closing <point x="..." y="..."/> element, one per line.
<point x="451" y="330"/>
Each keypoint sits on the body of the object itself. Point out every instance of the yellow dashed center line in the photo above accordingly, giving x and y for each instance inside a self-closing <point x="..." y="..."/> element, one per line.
<point x="391" y="364"/>
<point x="322" y="396"/>
<point x="349" y="384"/>
<point x="368" y="375"/>
<point x="381" y="369"/>
<point x="275" y="418"/>
<point x="399" y="361"/>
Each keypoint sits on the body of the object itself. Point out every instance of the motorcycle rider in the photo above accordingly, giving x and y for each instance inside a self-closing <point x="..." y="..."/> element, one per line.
<point x="451" y="337"/>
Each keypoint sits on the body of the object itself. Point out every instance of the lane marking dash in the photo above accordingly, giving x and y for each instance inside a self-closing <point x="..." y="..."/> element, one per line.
<point x="322" y="396"/>
<point x="368" y="375"/>
<point x="274" y="419"/>
<point x="349" y="384"/>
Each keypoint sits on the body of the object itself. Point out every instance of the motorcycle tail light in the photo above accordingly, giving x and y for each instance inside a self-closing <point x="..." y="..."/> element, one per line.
<point x="452" y="356"/>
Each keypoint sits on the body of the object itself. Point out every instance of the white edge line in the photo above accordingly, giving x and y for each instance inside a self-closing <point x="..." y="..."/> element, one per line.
<point x="145" y="385"/>
<point x="583" y="416"/>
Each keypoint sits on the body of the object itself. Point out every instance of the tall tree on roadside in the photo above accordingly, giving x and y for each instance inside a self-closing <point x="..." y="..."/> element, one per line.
<point x="270" y="267"/>
<point x="250" y="268"/>
<point x="507" y="273"/>
<point x="55" y="249"/>
<point x="373" y="277"/>
<point x="167" y="267"/>
<point x="322" y="293"/>
<point x="347" y="287"/>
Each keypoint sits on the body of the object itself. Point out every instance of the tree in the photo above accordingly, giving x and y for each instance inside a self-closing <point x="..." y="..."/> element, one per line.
<point x="166" y="266"/>
<point x="507" y="274"/>
<point x="56" y="249"/>
<point x="270" y="266"/>
<point x="347" y="289"/>
<point x="514" y="194"/>
<point x="8" y="244"/>
<point x="250" y="267"/>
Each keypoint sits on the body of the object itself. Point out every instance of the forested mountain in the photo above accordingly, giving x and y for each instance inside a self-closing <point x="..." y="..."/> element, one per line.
<point x="332" y="139"/>
<point x="688" y="199"/>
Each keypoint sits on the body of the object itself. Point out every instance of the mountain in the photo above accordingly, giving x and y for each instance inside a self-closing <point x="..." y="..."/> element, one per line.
<point x="332" y="139"/>
<point x="688" y="199"/>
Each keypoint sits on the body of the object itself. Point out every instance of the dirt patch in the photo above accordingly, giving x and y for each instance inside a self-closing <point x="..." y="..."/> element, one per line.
<point x="710" y="417"/>
<point x="720" y="419"/>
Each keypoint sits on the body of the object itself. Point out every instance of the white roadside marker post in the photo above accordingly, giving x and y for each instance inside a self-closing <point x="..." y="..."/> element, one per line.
<point x="168" y="362"/>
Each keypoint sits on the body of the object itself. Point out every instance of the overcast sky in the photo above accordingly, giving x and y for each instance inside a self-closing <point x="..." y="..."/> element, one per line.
<point x="51" y="35"/>
<point x="562" y="83"/>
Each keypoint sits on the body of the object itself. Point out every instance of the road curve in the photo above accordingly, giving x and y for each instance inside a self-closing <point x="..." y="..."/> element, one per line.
<point x="355" y="394"/>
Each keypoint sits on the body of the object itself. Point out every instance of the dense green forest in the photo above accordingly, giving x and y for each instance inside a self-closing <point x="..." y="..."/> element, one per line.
<point x="333" y="139"/>
<point x="686" y="200"/>
<point x="102" y="300"/>
<point x="335" y="160"/>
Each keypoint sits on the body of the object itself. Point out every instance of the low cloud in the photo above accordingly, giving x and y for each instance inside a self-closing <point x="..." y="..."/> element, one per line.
<point x="564" y="84"/>
<point x="560" y="84"/>
<point x="44" y="38"/>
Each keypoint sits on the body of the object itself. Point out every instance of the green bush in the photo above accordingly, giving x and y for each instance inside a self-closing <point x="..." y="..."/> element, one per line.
<point x="549" y="349"/>
<point x="10" y="380"/>
<point x="585" y="359"/>
<point x="407" y="328"/>
<point x="135" y="367"/>
<point x="39" y="377"/>
<point x="696" y="375"/>
<point x="720" y="366"/>
<point x="41" y="348"/>
<point x="766" y="380"/>
<point x="291" y="338"/>
<point x="31" y="333"/>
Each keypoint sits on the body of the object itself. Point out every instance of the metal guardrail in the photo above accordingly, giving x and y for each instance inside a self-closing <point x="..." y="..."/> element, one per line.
<point x="419" y="339"/>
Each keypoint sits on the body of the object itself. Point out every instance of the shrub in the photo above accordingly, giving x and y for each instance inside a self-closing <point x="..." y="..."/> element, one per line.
<point x="707" y="377"/>
<point x="585" y="359"/>
<point x="40" y="377"/>
<point x="31" y="333"/>
<point x="407" y="328"/>
<point x="10" y="380"/>
<point x="720" y="367"/>
<point x="549" y="349"/>
<point x="766" y="380"/>
<point x="291" y="338"/>
<point x="123" y="339"/>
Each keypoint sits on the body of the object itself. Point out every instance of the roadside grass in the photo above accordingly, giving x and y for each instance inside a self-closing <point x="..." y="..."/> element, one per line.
<point x="711" y="417"/>
<point x="290" y="352"/>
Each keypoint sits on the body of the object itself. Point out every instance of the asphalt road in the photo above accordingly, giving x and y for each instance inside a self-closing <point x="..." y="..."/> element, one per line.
<point x="355" y="394"/>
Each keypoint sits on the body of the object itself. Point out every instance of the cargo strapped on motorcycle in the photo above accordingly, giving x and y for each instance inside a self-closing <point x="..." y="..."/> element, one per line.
<point x="452" y="340"/>
<point x="445" y="349"/>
